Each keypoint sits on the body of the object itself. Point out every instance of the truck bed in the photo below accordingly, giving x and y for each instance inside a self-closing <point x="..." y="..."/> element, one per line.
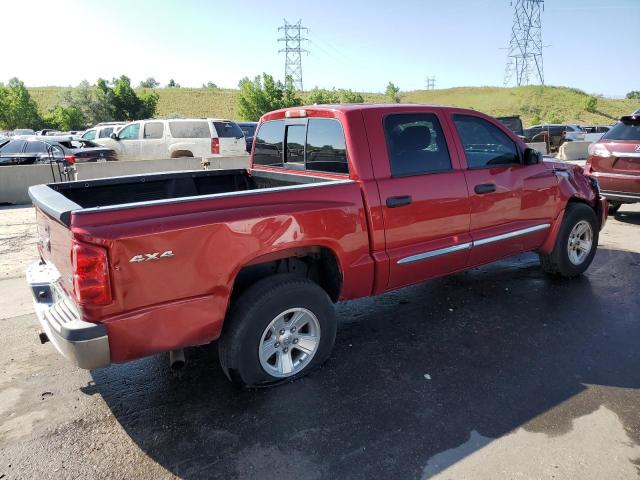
<point x="58" y="200"/>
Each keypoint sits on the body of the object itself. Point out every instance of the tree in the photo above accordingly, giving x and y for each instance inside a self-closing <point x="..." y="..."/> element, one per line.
<point x="264" y="94"/>
<point x="65" y="118"/>
<point x="150" y="82"/>
<point x="535" y="120"/>
<point x="127" y="104"/>
<point x="17" y="108"/>
<point x="392" y="93"/>
<point x="210" y="85"/>
<point x="591" y="104"/>
<point x="172" y="84"/>
<point x="633" y="95"/>
<point x="321" y="96"/>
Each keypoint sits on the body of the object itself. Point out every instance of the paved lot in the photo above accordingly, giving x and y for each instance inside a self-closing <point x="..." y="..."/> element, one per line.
<point x="500" y="372"/>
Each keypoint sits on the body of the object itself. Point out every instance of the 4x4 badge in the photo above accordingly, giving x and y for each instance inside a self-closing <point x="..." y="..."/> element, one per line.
<point x="145" y="257"/>
<point x="637" y="148"/>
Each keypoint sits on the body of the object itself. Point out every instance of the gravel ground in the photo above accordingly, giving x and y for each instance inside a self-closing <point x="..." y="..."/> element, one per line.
<point x="500" y="372"/>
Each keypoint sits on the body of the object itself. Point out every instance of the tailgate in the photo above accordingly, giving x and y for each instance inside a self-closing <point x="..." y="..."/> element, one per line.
<point x="233" y="146"/>
<point x="54" y="246"/>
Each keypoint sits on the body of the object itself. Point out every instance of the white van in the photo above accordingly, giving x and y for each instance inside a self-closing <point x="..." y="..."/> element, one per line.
<point x="175" y="138"/>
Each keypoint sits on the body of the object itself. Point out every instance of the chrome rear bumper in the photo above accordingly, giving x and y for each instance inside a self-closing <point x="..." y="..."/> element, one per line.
<point x="85" y="344"/>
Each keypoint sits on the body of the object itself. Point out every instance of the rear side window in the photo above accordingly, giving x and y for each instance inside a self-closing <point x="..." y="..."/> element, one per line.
<point x="416" y="144"/>
<point x="13" y="147"/>
<point x="35" y="147"/>
<point x="268" y="144"/>
<point x="326" y="148"/>
<point x="627" y="129"/>
<point x="153" y="130"/>
<point x="190" y="129"/>
<point x="484" y="144"/>
<point x="104" y="133"/>
<point x="228" y="130"/>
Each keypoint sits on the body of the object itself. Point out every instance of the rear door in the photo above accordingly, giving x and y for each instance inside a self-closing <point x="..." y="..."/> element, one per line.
<point x="231" y="138"/>
<point x="512" y="204"/>
<point x="153" y="144"/>
<point x="423" y="193"/>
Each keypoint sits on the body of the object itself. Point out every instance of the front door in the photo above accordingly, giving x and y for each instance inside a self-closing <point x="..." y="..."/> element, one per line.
<point x="129" y="142"/>
<point x="512" y="204"/>
<point x="423" y="193"/>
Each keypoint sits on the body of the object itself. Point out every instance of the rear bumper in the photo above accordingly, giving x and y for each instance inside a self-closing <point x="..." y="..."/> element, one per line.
<point x="622" y="197"/>
<point x="85" y="344"/>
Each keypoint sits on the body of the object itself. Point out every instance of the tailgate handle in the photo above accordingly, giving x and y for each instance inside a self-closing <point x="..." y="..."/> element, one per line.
<point x="393" y="202"/>
<point x="485" y="188"/>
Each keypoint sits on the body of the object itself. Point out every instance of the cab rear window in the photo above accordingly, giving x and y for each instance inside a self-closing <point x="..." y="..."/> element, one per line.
<point x="626" y="129"/>
<point x="317" y="144"/>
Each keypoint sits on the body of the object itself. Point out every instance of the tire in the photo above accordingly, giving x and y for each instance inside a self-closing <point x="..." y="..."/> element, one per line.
<point x="280" y="302"/>
<point x="566" y="259"/>
<point x="614" y="207"/>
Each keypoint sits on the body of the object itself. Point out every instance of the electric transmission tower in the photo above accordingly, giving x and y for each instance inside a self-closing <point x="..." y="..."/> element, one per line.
<point x="430" y="83"/>
<point x="293" y="51"/>
<point x="525" y="48"/>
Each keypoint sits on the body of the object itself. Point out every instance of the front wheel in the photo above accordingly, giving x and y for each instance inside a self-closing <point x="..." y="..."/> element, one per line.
<point x="279" y="329"/>
<point x="576" y="244"/>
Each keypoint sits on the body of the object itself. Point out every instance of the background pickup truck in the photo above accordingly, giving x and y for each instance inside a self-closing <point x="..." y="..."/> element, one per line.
<point x="341" y="202"/>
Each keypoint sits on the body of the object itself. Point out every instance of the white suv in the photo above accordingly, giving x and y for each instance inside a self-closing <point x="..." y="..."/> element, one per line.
<point x="102" y="130"/>
<point x="175" y="138"/>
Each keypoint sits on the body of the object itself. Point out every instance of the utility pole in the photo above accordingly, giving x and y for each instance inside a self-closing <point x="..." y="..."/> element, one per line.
<point x="293" y="50"/>
<point x="524" y="60"/>
<point x="430" y="83"/>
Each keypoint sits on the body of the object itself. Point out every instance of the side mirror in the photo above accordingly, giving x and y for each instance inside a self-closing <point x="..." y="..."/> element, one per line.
<point x="114" y="136"/>
<point x="531" y="156"/>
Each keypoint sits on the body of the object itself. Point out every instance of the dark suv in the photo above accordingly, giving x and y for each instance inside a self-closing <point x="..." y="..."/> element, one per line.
<point x="615" y="161"/>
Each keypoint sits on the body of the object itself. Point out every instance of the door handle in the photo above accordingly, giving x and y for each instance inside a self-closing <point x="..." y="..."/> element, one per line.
<point x="393" y="202"/>
<point x="485" y="188"/>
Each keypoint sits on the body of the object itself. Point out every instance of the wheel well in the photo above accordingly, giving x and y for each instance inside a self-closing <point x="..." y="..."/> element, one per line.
<point x="181" y="153"/>
<point x="318" y="264"/>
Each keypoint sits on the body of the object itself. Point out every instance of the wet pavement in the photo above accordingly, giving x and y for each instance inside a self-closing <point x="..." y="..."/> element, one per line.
<point x="500" y="372"/>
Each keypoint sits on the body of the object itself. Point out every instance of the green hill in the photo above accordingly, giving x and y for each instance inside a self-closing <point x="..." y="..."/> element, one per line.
<point x="549" y="104"/>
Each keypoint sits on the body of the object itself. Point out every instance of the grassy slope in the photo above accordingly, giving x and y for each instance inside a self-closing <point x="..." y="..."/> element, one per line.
<point x="565" y="103"/>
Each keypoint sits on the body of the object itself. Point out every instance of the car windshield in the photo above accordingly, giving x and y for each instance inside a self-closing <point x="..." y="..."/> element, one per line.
<point x="248" y="130"/>
<point x="628" y="128"/>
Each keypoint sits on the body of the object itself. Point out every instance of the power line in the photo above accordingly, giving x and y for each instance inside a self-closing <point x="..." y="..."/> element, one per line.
<point x="293" y="50"/>
<point x="524" y="60"/>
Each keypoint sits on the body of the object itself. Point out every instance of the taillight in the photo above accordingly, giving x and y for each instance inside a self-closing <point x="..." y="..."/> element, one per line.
<point x="598" y="150"/>
<point x="215" y="146"/>
<point x="70" y="158"/>
<point x="90" y="274"/>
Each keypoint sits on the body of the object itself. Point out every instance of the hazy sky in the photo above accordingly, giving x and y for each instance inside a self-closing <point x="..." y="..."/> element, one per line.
<point x="592" y="44"/>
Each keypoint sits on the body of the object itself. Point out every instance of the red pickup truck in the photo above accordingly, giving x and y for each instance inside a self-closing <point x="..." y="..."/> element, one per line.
<point x="341" y="202"/>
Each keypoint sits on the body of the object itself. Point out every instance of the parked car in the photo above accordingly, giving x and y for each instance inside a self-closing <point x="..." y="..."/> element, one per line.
<point x="102" y="130"/>
<point x="46" y="149"/>
<point x="23" y="131"/>
<point x="592" y="133"/>
<point x="615" y="161"/>
<point x="341" y="202"/>
<point x="248" y="129"/>
<point x="157" y="139"/>
<point x="554" y="135"/>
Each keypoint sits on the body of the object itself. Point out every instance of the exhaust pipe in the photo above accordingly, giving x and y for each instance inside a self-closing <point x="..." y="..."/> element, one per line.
<point x="176" y="359"/>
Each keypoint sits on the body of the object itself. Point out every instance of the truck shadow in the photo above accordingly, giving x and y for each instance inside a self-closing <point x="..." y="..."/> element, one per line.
<point x="628" y="217"/>
<point x="412" y="374"/>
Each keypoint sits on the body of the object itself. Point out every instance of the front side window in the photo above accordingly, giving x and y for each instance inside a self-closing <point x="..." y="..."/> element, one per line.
<point x="326" y="148"/>
<point x="268" y="144"/>
<point x="13" y="147"/>
<point x="89" y="135"/>
<point x="415" y="144"/>
<point x="153" y="130"/>
<point x="485" y="145"/>
<point x="130" y="132"/>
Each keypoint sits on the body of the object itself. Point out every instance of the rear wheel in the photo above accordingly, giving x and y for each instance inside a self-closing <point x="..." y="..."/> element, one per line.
<point x="576" y="243"/>
<point x="279" y="329"/>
